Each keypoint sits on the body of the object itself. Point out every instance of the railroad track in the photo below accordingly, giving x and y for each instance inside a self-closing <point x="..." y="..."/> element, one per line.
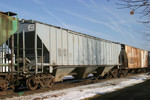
<point x="68" y="83"/>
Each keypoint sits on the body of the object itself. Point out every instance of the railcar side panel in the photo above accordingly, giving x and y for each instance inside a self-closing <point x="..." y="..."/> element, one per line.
<point x="71" y="48"/>
<point x="85" y="46"/>
<point x="64" y="50"/>
<point x="76" y="53"/>
<point x="80" y="43"/>
<point x="59" y="47"/>
<point x="136" y="58"/>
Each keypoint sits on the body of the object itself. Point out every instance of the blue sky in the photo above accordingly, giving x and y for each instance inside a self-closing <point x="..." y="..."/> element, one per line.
<point x="100" y="18"/>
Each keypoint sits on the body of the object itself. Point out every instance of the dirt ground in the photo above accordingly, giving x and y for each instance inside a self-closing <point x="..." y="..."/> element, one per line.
<point x="140" y="91"/>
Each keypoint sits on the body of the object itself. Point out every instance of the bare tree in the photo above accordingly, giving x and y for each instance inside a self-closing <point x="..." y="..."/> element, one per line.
<point x="141" y="7"/>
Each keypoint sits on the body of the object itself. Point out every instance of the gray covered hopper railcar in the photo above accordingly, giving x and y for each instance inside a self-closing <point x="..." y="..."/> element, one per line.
<point x="51" y="49"/>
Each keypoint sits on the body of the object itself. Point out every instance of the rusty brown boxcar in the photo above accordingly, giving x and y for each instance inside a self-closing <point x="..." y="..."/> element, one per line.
<point x="134" y="58"/>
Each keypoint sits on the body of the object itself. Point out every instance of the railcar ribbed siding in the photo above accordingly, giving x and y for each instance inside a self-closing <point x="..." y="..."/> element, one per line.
<point x="137" y="58"/>
<point x="72" y="48"/>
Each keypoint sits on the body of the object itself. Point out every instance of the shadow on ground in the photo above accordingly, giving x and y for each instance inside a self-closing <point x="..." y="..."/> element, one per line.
<point x="140" y="91"/>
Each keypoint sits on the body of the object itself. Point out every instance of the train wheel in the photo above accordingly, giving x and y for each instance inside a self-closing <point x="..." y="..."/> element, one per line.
<point x="5" y="86"/>
<point x="31" y="83"/>
<point x="50" y="83"/>
<point x="42" y="82"/>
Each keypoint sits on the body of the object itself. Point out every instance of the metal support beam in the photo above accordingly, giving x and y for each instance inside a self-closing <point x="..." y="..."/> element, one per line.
<point x="8" y="53"/>
<point x="18" y="51"/>
<point x="12" y="54"/>
<point x="42" y="56"/>
<point x="2" y="58"/>
<point x="68" y="47"/>
<point x="35" y="50"/>
<point x="24" y="51"/>
<point x="7" y="64"/>
<point x="5" y="55"/>
<point x="50" y="49"/>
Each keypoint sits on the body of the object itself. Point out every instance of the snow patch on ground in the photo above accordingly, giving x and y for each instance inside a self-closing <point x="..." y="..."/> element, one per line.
<point x="86" y="91"/>
<point x="68" y="77"/>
